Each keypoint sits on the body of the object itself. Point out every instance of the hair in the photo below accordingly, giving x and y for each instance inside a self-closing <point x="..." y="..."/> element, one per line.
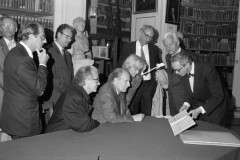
<point x="134" y="61"/>
<point x="31" y="27"/>
<point x="13" y="20"/>
<point x="77" y="20"/>
<point x="62" y="27"/>
<point x="147" y="27"/>
<point x="116" y="74"/>
<point x="182" y="57"/>
<point x="83" y="73"/>
<point x="170" y="35"/>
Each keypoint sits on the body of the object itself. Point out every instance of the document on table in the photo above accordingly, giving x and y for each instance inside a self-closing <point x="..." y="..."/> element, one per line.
<point x="210" y="138"/>
<point x="180" y="122"/>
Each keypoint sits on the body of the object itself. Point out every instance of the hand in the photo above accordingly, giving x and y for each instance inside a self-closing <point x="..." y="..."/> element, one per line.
<point x="42" y="56"/>
<point x="184" y="107"/>
<point x="195" y="113"/>
<point x="138" y="117"/>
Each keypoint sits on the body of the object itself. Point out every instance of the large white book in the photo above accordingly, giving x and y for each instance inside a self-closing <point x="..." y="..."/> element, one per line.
<point x="210" y="138"/>
<point x="180" y="122"/>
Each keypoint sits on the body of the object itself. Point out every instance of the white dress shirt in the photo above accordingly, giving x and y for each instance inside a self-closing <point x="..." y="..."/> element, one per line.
<point x="146" y="54"/>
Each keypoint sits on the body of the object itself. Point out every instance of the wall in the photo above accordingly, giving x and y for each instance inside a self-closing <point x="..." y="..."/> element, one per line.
<point x="236" y="78"/>
<point x="66" y="10"/>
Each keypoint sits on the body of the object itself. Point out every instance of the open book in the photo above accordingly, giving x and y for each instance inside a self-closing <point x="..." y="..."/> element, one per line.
<point x="210" y="138"/>
<point x="180" y="122"/>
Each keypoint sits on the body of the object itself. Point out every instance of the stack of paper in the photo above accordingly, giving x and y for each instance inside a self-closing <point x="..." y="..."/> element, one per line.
<point x="180" y="122"/>
<point x="210" y="138"/>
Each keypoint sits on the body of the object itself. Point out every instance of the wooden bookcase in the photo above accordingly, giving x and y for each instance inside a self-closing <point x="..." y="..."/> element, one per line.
<point x="25" y="10"/>
<point x="105" y="66"/>
<point x="210" y="28"/>
<point x="113" y="18"/>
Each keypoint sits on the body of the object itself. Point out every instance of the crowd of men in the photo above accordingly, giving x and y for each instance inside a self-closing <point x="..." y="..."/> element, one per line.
<point x="28" y="87"/>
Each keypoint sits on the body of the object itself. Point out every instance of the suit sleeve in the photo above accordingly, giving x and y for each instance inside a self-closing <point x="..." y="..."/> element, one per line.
<point x="76" y="115"/>
<point x="35" y="79"/>
<point x="216" y="90"/>
<point x="108" y="110"/>
<point x="135" y="83"/>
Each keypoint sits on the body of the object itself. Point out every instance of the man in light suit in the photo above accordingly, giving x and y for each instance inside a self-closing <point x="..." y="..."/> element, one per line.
<point x="24" y="82"/>
<point x="142" y="100"/>
<point x="73" y="109"/>
<point x="134" y="65"/>
<point x="7" y="42"/>
<point x="205" y="94"/>
<point x="60" y="67"/>
<point x="176" y="90"/>
<point x="108" y="105"/>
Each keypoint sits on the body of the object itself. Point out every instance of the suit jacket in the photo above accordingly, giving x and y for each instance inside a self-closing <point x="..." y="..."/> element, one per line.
<point x="23" y="84"/>
<point x="72" y="111"/>
<point x="176" y="89"/>
<point x="3" y="53"/>
<point x="207" y="92"/>
<point x="154" y="58"/>
<point x="110" y="107"/>
<point x="60" y="74"/>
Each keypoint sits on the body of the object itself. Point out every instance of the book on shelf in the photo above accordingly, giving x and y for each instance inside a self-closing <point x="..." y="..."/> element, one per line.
<point x="210" y="138"/>
<point x="181" y="122"/>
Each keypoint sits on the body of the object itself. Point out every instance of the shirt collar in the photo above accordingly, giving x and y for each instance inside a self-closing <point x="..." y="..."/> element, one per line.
<point x="8" y="41"/>
<point x="27" y="48"/>
<point x="59" y="47"/>
<point x="139" y="44"/>
<point x="193" y="67"/>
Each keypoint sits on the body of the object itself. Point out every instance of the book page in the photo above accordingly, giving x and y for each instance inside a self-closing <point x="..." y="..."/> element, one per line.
<point x="180" y="122"/>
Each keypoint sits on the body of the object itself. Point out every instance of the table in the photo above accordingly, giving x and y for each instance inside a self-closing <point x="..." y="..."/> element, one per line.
<point x="151" y="139"/>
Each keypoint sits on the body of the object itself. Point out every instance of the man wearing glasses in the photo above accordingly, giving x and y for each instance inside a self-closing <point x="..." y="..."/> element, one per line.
<point x="60" y="67"/>
<point x="73" y="109"/>
<point x="24" y="82"/>
<point x="142" y="100"/>
<point x="7" y="42"/>
<point x="206" y="98"/>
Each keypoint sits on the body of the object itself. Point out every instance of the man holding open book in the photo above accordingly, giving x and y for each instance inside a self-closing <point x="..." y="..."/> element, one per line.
<point x="205" y="95"/>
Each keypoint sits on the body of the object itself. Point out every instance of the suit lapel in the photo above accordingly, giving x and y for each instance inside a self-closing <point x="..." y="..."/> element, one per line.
<point x="4" y="46"/>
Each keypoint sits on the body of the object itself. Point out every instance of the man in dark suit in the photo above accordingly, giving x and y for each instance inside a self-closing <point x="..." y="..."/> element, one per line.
<point x="73" y="109"/>
<point x="142" y="100"/>
<point x="7" y="42"/>
<point x="206" y="97"/>
<point x="176" y="90"/>
<point x="24" y="82"/>
<point x="60" y="67"/>
<point x="109" y="106"/>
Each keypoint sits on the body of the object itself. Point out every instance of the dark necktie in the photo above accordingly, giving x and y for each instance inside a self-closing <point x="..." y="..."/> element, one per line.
<point x="64" y="56"/>
<point x="189" y="75"/>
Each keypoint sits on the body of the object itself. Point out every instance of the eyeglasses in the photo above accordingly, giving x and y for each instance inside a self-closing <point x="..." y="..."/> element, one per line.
<point x="148" y="36"/>
<point x="68" y="37"/>
<point x="179" y="70"/>
<point x="5" y="26"/>
<point x="43" y="37"/>
<point x="95" y="79"/>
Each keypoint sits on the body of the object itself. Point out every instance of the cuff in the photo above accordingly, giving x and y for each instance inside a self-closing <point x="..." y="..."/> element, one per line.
<point x="43" y="65"/>
<point x="202" y="109"/>
<point x="186" y="104"/>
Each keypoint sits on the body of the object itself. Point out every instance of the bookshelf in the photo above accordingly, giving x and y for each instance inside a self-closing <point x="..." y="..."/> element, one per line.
<point x="105" y="66"/>
<point x="210" y="28"/>
<point x="113" y="18"/>
<point x="25" y="10"/>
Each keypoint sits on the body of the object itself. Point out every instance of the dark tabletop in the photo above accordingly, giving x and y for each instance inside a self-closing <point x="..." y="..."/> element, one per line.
<point x="151" y="139"/>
